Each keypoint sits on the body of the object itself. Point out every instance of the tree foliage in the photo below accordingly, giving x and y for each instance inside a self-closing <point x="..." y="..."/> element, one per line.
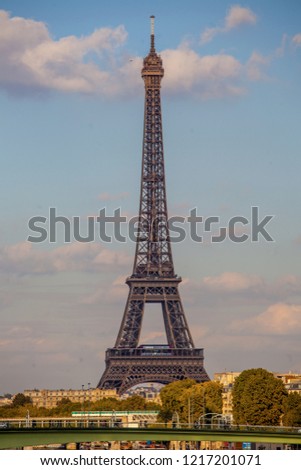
<point x="258" y="398"/>
<point x="20" y="400"/>
<point x="134" y="402"/>
<point x="63" y="408"/>
<point x="201" y="399"/>
<point x="21" y="407"/>
<point x="104" y="404"/>
<point x="171" y="398"/>
<point x="190" y="400"/>
<point x="292" y="410"/>
<point x="213" y="397"/>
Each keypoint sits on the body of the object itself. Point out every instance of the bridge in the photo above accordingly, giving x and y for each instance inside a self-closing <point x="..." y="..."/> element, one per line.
<point x="18" y="437"/>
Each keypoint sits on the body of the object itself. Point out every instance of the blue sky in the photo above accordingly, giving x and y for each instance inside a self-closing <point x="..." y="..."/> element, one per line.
<point x="71" y="125"/>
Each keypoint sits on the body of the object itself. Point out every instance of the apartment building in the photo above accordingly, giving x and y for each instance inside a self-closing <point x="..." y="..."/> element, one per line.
<point x="51" y="398"/>
<point x="226" y="379"/>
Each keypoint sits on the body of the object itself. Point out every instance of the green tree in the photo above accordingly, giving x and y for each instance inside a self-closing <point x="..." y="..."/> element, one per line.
<point x="132" y="403"/>
<point x="152" y="405"/>
<point x="200" y="399"/>
<point x="213" y="397"/>
<point x="11" y="411"/>
<point x="64" y="408"/>
<point x="258" y="398"/>
<point x="190" y="400"/>
<point x="171" y="398"/>
<point x="105" y="404"/>
<point x="292" y="410"/>
<point x="20" y="400"/>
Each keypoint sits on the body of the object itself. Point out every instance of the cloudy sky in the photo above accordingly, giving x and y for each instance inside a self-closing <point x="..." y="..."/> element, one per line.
<point x="71" y="99"/>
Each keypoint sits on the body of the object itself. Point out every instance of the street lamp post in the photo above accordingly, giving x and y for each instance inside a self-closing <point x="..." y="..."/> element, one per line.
<point x="82" y="400"/>
<point x="113" y="419"/>
<point x="191" y="403"/>
<point x="27" y="419"/>
<point x="175" y="420"/>
<point x="89" y="401"/>
<point x="82" y="407"/>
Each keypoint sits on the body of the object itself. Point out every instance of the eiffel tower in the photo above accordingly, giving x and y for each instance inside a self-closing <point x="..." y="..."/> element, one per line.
<point x="153" y="279"/>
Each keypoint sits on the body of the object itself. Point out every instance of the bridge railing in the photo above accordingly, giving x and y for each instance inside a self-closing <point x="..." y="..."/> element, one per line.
<point x="85" y="423"/>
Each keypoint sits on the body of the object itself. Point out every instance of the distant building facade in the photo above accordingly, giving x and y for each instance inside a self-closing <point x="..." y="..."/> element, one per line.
<point x="51" y="398"/>
<point x="292" y="383"/>
<point x="226" y="380"/>
<point x="5" y="401"/>
<point x="292" y="387"/>
<point x="150" y="393"/>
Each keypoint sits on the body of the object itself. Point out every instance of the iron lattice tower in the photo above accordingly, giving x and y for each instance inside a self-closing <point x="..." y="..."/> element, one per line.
<point x="153" y="279"/>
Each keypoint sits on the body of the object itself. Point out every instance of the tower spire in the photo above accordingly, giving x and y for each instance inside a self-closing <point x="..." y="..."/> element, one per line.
<point x="152" y="24"/>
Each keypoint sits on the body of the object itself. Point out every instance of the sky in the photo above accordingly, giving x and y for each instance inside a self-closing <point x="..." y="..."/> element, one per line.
<point x="71" y="126"/>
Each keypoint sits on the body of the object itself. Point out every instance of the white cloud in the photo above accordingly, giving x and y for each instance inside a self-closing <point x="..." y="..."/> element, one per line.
<point x="208" y="76"/>
<point x="23" y="258"/>
<point x="277" y="319"/>
<point x="255" y="66"/>
<point x="209" y="34"/>
<point x="31" y="61"/>
<point x="114" y="293"/>
<point x="252" y="288"/>
<point x="232" y="282"/>
<point x="297" y="40"/>
<point x="236" y="17"/>
<point x="110" y="257"/>
<point x="287" y="285"/>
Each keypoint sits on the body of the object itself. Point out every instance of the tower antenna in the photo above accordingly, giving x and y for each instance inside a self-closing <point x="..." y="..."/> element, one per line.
<point x="152" y="25"/>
